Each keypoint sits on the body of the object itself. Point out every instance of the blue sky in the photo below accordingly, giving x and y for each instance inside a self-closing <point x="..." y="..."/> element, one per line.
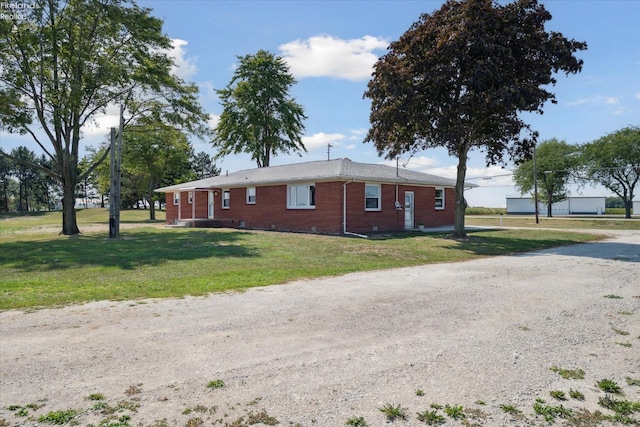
<point x="331" y="47"/>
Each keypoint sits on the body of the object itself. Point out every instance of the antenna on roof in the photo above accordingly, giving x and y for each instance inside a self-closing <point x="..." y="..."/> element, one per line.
<point x="329" y="151"/>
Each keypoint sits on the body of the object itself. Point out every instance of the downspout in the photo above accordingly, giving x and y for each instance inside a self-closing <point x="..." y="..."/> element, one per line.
<point x="179" y="205"/>
<point x="344" y="207"/>
<point x="397" y="204"/>
<point x="193" y="204"/>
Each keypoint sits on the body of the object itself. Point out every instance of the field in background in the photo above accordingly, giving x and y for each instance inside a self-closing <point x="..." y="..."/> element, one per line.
<point x="48" y="222"/>
<point x="603" y="222"/>
<point x="498" y="211"/>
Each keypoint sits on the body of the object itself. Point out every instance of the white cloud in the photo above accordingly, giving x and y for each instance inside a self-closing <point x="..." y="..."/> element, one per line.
<point x="492" y="176"/>
<point x="358" y="134"/>
<point x="637" y="96"/>
<point x="321" y="139"/>
<point x="445" y="171"/>
<point x="213" y="121"/>
<point x="618" y="111"/>
<point x="327" y="56"/>
<point x="611" y="104"/>
<point x="207" y="91"/>
<point x="184" y="67"/>
<point x="101" y="123"/>
<point x="580" y="101"/>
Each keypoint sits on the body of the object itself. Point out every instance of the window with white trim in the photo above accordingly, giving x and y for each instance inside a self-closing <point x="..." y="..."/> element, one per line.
<point x="301" y="196"/>
<point x="190" y="198"/>
<point x="251" y="195"/>
<point x="176" y="198"/>
<point x="439" y="198"/>
<point x="226" y="199"/>
<point x="372" y="197"/>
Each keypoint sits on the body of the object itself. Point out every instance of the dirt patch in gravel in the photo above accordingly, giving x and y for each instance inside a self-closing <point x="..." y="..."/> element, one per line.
<point x="478" y="334"/>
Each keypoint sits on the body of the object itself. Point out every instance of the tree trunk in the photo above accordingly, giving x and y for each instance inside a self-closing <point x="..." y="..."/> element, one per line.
<point x="460" y="203"/>
<point x="549" y="210"/>
<point x="152" y="205"/>
<point x="627" y="207"/>
<point x="69" y="222"/>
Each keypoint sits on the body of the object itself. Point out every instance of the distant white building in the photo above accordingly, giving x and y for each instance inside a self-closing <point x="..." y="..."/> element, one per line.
<point x="636" y="207"/>
<point x="569" y="206"/>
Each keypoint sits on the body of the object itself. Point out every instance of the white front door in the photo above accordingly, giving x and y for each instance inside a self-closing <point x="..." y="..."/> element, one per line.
<point x="210" y="206"/>
<point x="408" y="210"/>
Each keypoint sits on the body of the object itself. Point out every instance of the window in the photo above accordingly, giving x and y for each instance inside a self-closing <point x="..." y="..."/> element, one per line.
<point x="301" y="196"/>
<point x="176" y="198"/>
<point x="190" y="197"/>
<point x="251" y="195"/>
<point x="226" y="199"/>
<point x="439" y="198"/>
<point x="372" y="197"/>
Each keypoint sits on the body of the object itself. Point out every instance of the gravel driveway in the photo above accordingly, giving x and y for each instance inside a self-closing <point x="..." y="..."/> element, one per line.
<point x="479" y="334"/>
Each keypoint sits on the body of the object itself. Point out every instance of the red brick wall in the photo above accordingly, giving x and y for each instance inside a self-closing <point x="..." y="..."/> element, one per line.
<point x="270" y="210"/>
<point x="425" y="211"/>
<point x="200" y="200"/>
<point x="361" y="221"/>
<point x="172" y="210"/>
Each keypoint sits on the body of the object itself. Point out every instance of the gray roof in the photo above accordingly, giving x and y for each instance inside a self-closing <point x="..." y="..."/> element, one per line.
<point x="326" y="170"/>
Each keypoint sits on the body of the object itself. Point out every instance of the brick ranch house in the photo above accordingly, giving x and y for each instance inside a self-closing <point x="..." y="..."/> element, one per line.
<point x="330" y="197"/>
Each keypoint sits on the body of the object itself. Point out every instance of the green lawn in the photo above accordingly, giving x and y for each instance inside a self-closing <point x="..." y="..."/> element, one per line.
<point x="39" y="268"/>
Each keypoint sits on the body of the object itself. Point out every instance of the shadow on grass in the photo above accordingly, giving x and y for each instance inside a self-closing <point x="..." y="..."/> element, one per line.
<point x="492" y="242"/>
<point x="132" y="250"/>
<point x="484" y="243"/>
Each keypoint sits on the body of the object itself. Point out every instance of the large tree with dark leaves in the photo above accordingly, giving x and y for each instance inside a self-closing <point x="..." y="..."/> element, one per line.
<point x="259" y="116"/>
<point x="68" y="60"/>
<point x="460" y="77"/>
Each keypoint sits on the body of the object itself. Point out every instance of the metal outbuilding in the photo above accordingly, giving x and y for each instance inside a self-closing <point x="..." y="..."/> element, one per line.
<point x="570" y="206"/>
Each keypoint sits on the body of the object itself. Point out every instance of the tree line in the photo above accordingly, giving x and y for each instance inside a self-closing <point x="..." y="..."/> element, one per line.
<point x="612" y="161"/>
<point x="149" y="161"/>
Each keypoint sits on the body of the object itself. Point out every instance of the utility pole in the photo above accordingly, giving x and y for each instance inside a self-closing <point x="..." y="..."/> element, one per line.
<point x="329" y="151"/>
<point x="535" y="183"/>
<point x="116" y="165"/>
